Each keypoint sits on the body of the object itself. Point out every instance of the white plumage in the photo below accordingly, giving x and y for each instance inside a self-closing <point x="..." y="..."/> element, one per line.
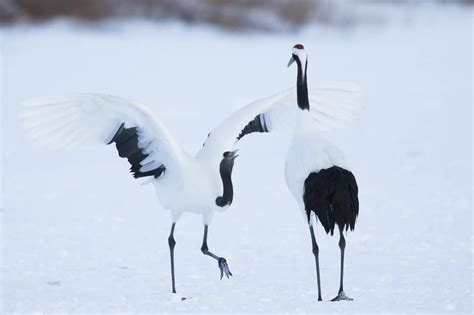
<point x="183" y="183"/>
<point x="316" y="171"/>
<point x="308" y="152"/>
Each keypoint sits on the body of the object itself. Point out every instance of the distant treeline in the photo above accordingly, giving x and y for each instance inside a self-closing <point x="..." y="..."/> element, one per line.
<point x="264" y="15"/>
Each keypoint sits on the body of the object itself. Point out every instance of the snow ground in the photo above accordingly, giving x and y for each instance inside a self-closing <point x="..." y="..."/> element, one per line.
<point x="79" y="234"/>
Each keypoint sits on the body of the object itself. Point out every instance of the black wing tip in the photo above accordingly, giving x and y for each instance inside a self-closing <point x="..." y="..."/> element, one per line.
<point x="258" y="124"/>
<point x="155" y="173"/>
<point x="119" y="130"/>
<point x="126" y="142"/>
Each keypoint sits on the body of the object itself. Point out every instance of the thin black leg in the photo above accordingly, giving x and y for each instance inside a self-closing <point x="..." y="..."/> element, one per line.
<point x="342" y="245"/>
<point x="316" y="258"/>
<point x="172" y="243"/>
<point x="222" y="263"/>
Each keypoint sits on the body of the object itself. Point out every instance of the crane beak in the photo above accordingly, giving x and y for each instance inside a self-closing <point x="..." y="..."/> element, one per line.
<point x="234" y="154"/>
<point x="231" y="154"/>
<point x="291" y="61"/>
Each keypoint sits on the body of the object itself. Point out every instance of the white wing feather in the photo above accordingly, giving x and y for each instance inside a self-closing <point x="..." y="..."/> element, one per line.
<point x="332" y="104"/>
<point x="94" y="118"/>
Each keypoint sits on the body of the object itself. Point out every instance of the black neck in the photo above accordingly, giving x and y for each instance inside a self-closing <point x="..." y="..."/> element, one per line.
<point x="225" y="169"/>
<point x="302" y="85"/>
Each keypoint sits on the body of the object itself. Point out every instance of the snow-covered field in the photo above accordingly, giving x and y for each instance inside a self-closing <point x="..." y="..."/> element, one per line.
<point x="79" y="234"/>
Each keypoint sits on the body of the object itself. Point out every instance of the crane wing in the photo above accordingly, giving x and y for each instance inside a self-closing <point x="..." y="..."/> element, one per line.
<point x="332" y="104"/>
<point x="97" y="118"/>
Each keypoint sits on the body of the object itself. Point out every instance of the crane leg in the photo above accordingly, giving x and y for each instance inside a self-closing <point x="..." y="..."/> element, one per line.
<point x="222" y="263"/>
<point x="172" y="243"/>
<point x="341" y="296"/>
<point x="316" y="258"/>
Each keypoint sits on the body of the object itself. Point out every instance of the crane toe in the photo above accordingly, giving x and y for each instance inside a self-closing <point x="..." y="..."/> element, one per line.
<point x="224" y="268"/>
<point x="342" y="297"/>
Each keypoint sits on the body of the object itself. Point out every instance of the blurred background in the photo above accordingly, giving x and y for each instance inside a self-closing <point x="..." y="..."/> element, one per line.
<point x="80" y="235"/>
<point x="231" y="15"/>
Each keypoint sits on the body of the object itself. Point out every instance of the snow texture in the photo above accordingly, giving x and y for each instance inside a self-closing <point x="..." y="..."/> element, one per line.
<point x="79" y="234"/>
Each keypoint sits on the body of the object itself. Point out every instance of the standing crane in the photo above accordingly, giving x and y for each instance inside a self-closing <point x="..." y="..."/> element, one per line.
<point x="317" y="175"/>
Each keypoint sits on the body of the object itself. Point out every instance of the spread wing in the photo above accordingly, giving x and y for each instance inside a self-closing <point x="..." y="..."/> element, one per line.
<point x="332" y="104"/>
<point x="96" y="118"/>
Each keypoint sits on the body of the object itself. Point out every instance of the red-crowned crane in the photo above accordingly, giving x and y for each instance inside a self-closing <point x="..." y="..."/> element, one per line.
<point x="317" y="175"/>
